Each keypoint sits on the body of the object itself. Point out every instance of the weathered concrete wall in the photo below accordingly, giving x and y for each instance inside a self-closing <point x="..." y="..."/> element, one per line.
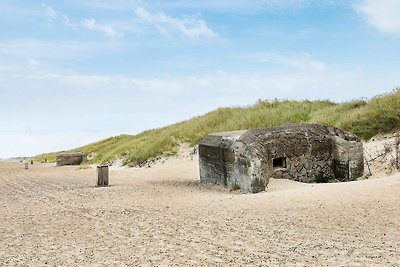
<point x="70" y="158"/>
<point x="248" y="170"/>
<point x="216" y="157"/>
<point x="301" y="152"/>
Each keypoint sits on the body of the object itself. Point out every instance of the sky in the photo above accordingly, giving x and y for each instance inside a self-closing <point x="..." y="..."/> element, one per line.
<point x="76" y="71"/>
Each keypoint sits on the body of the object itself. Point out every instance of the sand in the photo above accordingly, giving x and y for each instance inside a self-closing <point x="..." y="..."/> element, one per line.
<point x="163" y="216"/>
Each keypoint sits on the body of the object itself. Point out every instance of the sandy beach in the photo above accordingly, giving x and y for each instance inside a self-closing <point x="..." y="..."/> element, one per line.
<point x="163" y="216"/>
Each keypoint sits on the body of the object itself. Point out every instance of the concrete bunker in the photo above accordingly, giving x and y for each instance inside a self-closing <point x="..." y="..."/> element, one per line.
<point x="70" y="158"/>
<point x="302" y="152"/>
<point x="279" y="162"/>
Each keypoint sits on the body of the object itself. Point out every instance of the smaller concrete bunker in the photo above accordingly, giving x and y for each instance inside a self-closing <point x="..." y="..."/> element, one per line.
<point x="70" y="158"/>
<point x="302" y="152"/>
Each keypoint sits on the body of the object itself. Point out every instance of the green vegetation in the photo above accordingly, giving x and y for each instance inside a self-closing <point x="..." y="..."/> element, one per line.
<point x="381" y="114"/>
<point x="235" y="187"/>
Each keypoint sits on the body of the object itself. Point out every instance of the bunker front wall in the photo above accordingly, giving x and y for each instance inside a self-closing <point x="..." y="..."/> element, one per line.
<point x="233" y="164"/>
<point x="249" y="171"/>
<point x="213" y="161"/>
<point x="70" y="159"/>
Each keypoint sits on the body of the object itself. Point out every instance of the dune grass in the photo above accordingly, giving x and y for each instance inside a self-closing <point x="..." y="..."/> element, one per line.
<point x="364" y="118"/>
<point x="380" y="115"/>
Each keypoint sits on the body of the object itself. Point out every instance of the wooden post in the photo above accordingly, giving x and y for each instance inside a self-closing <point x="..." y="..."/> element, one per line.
<point x="102" y="175"/>
<point x="26" y="165"/>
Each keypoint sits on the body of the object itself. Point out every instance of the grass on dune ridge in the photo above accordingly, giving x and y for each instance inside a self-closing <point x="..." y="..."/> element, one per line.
<point x="381" y="114"/>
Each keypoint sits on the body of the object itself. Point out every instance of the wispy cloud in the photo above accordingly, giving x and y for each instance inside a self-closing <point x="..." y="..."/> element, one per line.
<point x="116" y="82"/>
<point x="40" y="74"/>
<point x="49" y="11"/>
<point x="217" y="5"/>
<point x="107" y="30"/>
<point x="88" y="24"/>
<point x="287" y="83"/>
<point x="301" y="61"/>
<point x="238" y="5"/>
<point x="23" y="49"/>
<point x="192" y="27"/>
<point x="383" y="14"/>
<point x="335" y="84"/>
<point x="91" y="25"/>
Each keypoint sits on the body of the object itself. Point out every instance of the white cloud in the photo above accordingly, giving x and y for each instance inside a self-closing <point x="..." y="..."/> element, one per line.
<point x="67" y="22"/>
<point x="41" y="50"/>
<point x="49" y="11"/>
<point x="33" y="62"/>
<point x="384" y="15"/>
<point x="91" y="24"/>
<point x="42" y="76"/>
<point x="109" y="82"/>
<point x="333" y="84"/>
<point x="107" y="30"/>
<point x="88" y="24"/>
<point x="302" y="61"/>
<point x="306" y="78"/>
<point x="237" y="5"/>
<point x="217" y="5"/>
<point x="189" y="26"/>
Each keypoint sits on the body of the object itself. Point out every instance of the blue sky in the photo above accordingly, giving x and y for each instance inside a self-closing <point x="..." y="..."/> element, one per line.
<point x="76" y="71"/>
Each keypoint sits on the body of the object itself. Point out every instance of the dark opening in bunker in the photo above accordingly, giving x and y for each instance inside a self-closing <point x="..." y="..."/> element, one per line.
<point x="279" y="163"/>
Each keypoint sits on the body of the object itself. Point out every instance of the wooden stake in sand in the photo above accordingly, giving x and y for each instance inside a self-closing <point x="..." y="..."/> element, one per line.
<point x="102" y="175"/>
<point x="26" y="165"/>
